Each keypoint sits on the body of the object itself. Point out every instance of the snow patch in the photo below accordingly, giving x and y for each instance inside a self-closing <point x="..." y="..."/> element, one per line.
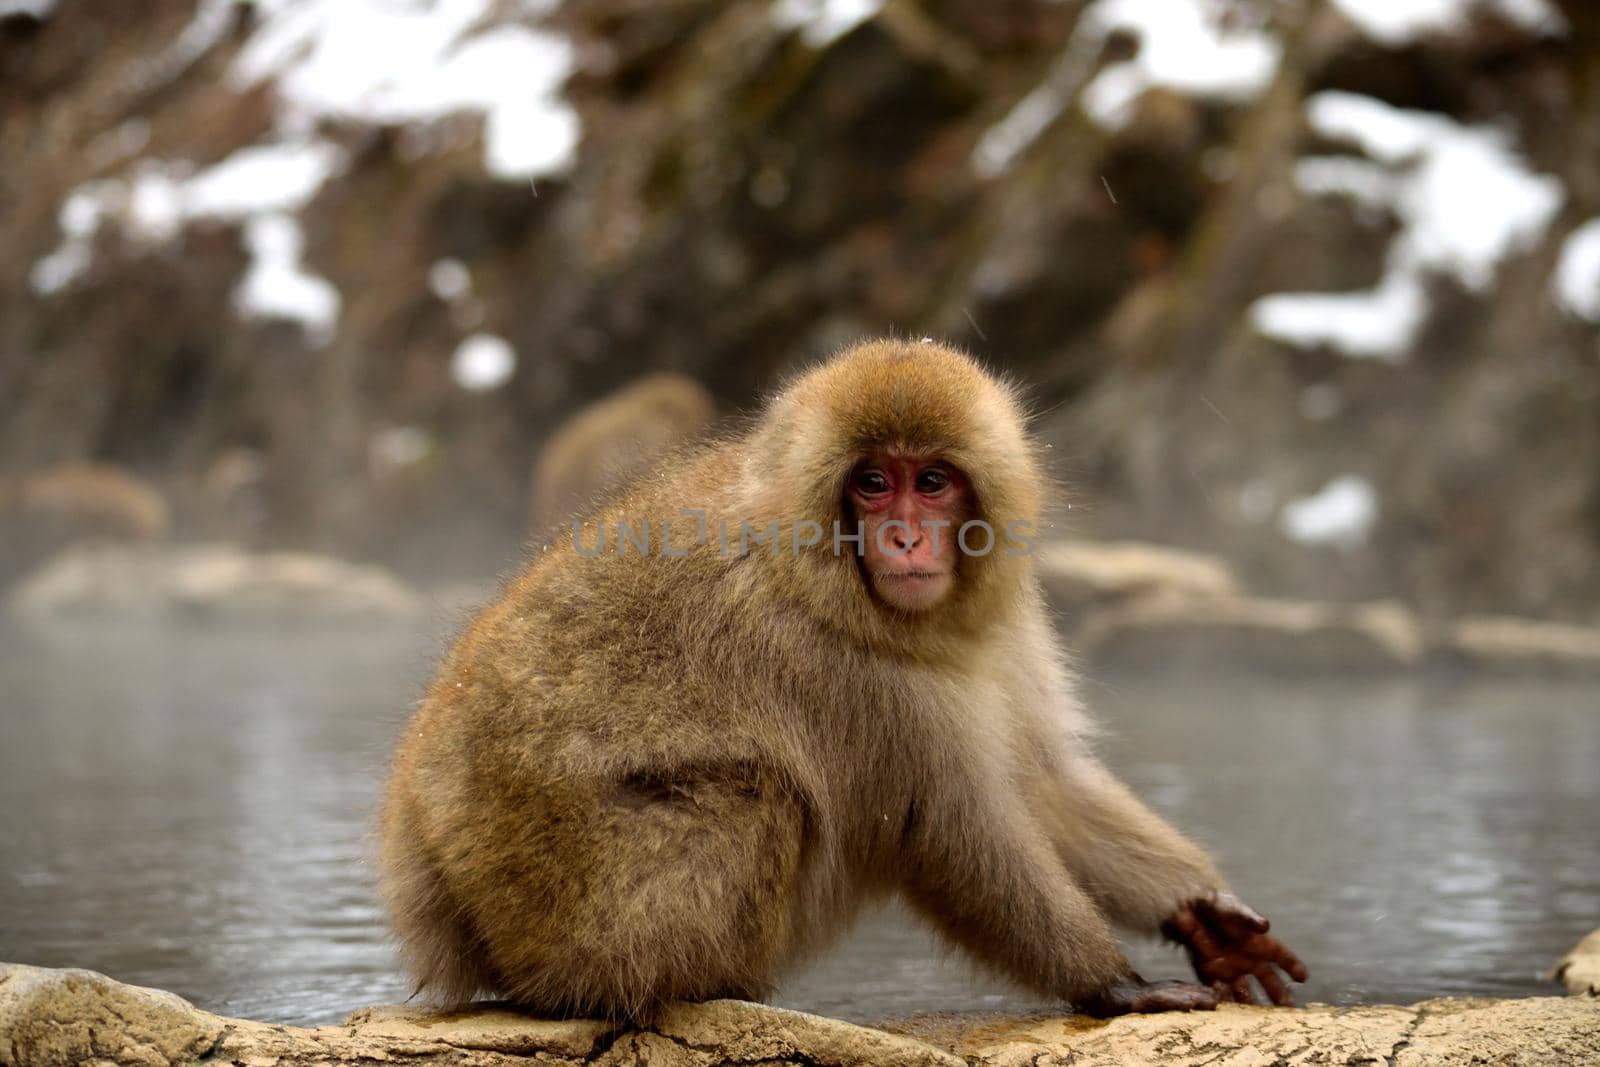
<point x="262" y="178"/>
<point x="1183" y="45"/>
<point x="821" y="22"/>
<point x="153" y="208"/>
<point x="1341" y="514"/>
<point x="1180" y="47"/>
<point x="1029" y="117"/>
<point x="54" y="272"/>
<point x="156" y="199"/>
<point x="1373" y="323"/>
<point x="1467" y="199"/>
<point x="210" y="24"/>
<point x="206" y="29"/>
<point x="276" y="286"/>
<point x="1006" y="139"/>
<point x="1464" y="199"/>
<point x="376" y="61"/>
<point x="35" y="9"/>
<point x="79" y="219"/>
<point x="1398" y="22"/>
<point x="482" y="362"/>
<point x="398" y="447"/>
<point x="1576" y="283"/>
<point x="449" y="280"/>
<point x="1370" y="185"/>
<point x="382" y="62"/>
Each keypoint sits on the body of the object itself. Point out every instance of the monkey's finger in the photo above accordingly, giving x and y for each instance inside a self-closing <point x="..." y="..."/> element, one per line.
<point x="1279" y="953"/>
<point x="1276" y="991"/>
<point x="1175" y="996"/>
<point x="1274" y="951"/>
<point x="1242" y="992"/>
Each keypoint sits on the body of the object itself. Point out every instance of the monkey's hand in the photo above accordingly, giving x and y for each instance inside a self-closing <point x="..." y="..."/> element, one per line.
<point x="1138" y="996"/>
<point x="1228" y="944"/>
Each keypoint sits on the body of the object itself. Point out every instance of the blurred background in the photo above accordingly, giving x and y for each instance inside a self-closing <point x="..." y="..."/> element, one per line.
<point x="313" y="312"/>
<point x="1306" y="284"/>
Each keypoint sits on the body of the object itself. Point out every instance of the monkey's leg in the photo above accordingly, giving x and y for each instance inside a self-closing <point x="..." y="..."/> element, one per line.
<point x="978" y="867"/>
<point x="1135" y="865"/>
<point x="666" y="884"/>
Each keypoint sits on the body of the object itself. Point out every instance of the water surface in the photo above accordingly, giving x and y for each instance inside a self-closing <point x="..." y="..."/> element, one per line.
<point x="191" y="810"/>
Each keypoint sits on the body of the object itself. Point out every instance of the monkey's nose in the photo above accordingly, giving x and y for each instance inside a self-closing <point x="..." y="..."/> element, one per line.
<point x="905" y="538"/>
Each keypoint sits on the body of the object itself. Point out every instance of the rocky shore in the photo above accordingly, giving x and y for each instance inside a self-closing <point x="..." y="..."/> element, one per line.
<point x="55" y="1018"/>
<point x="1129" y="604"/>
<point x="1121" y="604"/>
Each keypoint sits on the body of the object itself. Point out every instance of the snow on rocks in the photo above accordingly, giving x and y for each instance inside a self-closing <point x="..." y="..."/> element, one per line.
<point x="1464" y="198"/>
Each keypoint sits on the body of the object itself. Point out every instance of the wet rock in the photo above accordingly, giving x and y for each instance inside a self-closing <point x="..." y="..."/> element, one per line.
<point x="80" y="1017"/>
<point x="1269" y="634"/>
<point x="1446" y="1031"/>
<point x="1533" y="1031"/>
<point x="1086" y="574"/>
<point x="50" y="1017"/>
<point x="1579" y="970"/>
<point x="207" y="582"/>
<point x="1507" y="645"/>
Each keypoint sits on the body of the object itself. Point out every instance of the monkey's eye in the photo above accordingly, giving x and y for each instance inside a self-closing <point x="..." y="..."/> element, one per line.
<point x="932" y="481"/>
<point x="871" y="483"/>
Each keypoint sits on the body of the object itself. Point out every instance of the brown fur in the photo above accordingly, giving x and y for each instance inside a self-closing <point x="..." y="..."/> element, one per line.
<point x="89" y="500"/>
<point x="43" y="512"/>
<point x="640" y="779"/>
<point x="614" y="440"/>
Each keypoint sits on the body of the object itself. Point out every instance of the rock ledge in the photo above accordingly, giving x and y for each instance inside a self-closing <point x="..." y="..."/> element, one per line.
<point x="76" y="1017"/>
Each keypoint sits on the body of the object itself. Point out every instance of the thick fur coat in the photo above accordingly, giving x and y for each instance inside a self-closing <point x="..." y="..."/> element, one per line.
<point x="668" y="774"/>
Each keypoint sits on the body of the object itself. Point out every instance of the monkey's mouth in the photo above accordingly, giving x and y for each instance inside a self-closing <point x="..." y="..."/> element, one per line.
<point x="902" y="576"/>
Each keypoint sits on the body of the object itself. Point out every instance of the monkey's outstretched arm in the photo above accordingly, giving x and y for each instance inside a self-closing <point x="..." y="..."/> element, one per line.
<point x="1129" y="860"/>
<point x="1148" y="877"/>
<point x="989" y="881"/>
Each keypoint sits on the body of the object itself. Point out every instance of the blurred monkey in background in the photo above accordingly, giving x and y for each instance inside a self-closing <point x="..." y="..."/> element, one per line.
<point x="615" y="439"/>
<point x="51" y="509"/>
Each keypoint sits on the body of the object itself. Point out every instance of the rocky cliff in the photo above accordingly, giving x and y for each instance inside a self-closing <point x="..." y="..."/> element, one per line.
<point x="1314" y="284"/>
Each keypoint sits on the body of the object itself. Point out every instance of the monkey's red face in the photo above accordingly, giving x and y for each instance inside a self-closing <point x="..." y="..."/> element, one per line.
<point x="910" y="508"/>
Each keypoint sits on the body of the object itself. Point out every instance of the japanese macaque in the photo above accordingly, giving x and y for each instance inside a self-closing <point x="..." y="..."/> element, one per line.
<point x="70" y="503"/>
<point x="88" y="500"/>
<point x="613" y="440"/>
<point x="666" y="765"/>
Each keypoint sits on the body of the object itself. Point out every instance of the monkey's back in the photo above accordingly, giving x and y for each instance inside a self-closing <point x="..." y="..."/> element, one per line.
<point x="645" y="776"/>
<point x="597" y="806"/>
